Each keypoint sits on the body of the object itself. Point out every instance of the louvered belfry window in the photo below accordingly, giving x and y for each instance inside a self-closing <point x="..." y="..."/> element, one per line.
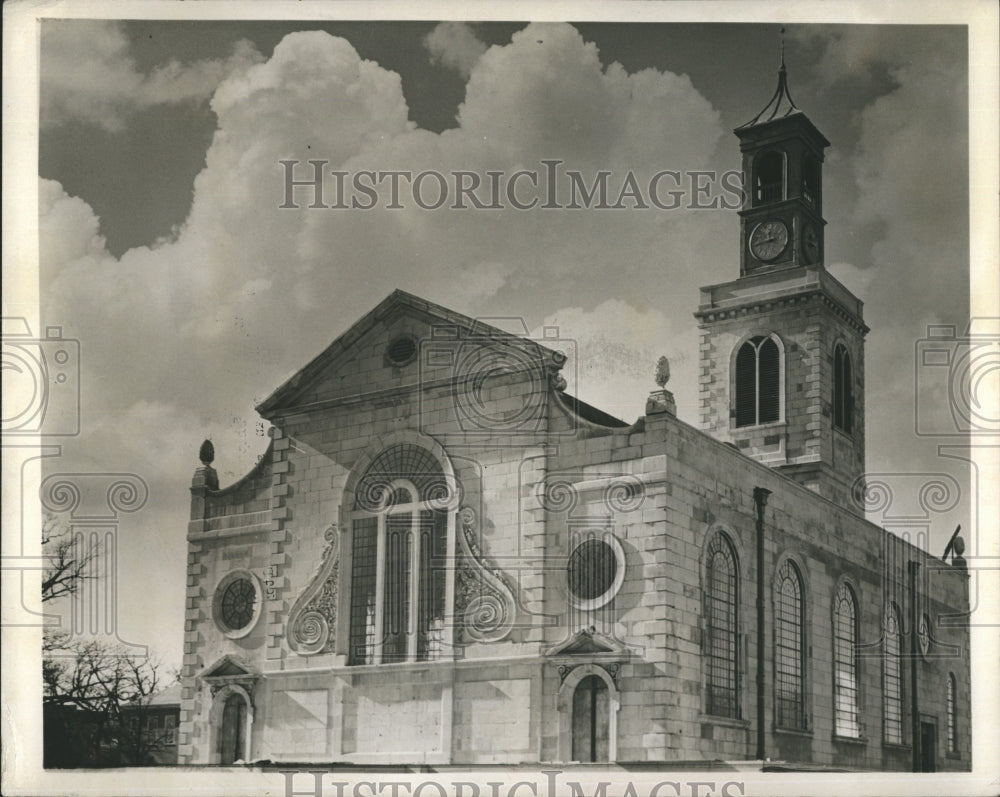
<point x="398" y="559"/>
<point x="843" y="389"/>
<point x="769" y="182"/>
<point x="758" y="382"/>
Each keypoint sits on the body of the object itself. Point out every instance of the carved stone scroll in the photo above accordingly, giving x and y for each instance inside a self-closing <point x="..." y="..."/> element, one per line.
<point x="485" y="607"/>
<point x="313" y="619"/>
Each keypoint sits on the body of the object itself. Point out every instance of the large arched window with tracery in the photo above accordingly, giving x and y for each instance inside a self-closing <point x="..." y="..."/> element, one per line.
<point x="758" y="382"/>
<point x="845" y="663"/>
<point x="399" y="550"/>
<point x="721" y="629"/>
<point x="789" y="648"/>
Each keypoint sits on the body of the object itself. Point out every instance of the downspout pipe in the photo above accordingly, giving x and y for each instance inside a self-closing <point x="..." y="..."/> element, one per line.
<point x="912" y="569"/>
<point x="760" y="503"/>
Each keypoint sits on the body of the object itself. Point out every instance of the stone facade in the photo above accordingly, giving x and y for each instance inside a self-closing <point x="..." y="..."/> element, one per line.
<point x="524" y="497"/>
<point x="809" y="313"/>
<point x="443" y="558"/>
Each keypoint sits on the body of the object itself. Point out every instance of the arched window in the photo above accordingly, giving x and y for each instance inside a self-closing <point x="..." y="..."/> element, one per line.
<point x="950" y="708"/>
<point x="789" y="648"/>
<point x="843" y="389"/>
<point x="758" y="382"/>
<point x="399" y="528"/>
<point x="893" y="678"/>
<point x="845" y="663"/>
<point x="769" y="178"/>
<point x="721" y="629"/>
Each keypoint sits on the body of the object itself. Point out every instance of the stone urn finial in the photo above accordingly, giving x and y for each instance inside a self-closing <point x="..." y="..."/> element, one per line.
<point x="662" y="400"/>
<point x="662" y="372"/>
<point x="206" y="453"/>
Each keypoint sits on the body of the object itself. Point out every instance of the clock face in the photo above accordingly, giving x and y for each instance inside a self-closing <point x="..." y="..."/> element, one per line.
<point x="768" y="240"/>
<point x="810" y="244"/>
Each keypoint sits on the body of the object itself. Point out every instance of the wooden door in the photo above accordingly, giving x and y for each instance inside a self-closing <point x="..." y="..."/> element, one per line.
<point x="232" y="735"/>
<point x="591" y="718"/>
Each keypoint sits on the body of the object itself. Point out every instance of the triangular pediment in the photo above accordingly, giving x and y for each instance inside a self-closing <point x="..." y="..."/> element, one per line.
<point x="403" y="342"/>
<point x="587" y="642"/>
<point x="227" y="668"/>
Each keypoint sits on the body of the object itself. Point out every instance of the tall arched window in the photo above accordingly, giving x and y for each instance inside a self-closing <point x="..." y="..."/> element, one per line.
<point x="758" y="382"/>
<point x="893" y="678"/>
<point x="769" y="178"/>
<point x="721" y="629"/>
<point x="399" y="528"/>
<point x="845" y="663"/>
<point x="789" y="648"/>
<point x="950" y="709"/>
<point x="843" y="389"/>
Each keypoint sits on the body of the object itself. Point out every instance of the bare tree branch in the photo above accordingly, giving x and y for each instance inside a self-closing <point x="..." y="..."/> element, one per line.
<point x="67" y="564"/>
<point x="113" y="686"/>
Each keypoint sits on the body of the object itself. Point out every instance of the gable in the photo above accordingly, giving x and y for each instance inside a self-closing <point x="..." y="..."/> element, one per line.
<point x="587" y="642"/>
<point x="403" y="343"/>
<point x="227" y="667"/>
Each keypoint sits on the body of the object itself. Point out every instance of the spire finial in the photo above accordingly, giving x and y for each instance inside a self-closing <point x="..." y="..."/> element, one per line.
<point x="781" y="103"/>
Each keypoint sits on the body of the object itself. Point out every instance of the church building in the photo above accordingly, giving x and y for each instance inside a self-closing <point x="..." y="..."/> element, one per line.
<point x="444" y="558"/>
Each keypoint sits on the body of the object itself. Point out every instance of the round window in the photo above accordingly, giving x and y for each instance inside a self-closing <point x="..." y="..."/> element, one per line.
<point x="237" y="604"/>
<point x="594" y="572"/>
<point x="401" y="350"/>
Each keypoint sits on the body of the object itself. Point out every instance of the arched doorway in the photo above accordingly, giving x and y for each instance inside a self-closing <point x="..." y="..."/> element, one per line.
<point x="591" y="719"/>
<point x="233" y="729"/>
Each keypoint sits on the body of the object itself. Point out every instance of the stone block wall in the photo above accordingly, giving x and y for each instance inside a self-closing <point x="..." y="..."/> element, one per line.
<point x="809" y="325"/>
<point x="535" y="485"/>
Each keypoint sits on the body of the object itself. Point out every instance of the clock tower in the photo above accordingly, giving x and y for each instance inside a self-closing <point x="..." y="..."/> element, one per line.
<point x="782" y="346"/>
<point x="781" y="223"/>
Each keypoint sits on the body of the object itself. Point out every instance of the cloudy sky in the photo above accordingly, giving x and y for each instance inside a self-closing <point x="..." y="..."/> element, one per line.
<point x="193" y="295"/>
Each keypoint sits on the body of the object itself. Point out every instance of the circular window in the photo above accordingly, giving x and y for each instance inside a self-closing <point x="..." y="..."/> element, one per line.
<point x="595" y="571"/>
<point x="401" y="350"/>
<point x="237" y="604"/>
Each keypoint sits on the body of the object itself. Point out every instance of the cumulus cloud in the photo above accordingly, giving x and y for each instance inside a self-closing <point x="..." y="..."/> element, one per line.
<point x="612" y="352"/>
<point x="910" y="187"/>
<point x="88" y="75"/>
<point x="246" y="292"/>
<point x="179" y="339"/>
<point x="908" y="202"/>
<point x="455" y="45"/>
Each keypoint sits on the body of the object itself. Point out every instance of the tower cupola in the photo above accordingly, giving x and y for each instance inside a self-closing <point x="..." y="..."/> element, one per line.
<point x="781" y="221"/>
